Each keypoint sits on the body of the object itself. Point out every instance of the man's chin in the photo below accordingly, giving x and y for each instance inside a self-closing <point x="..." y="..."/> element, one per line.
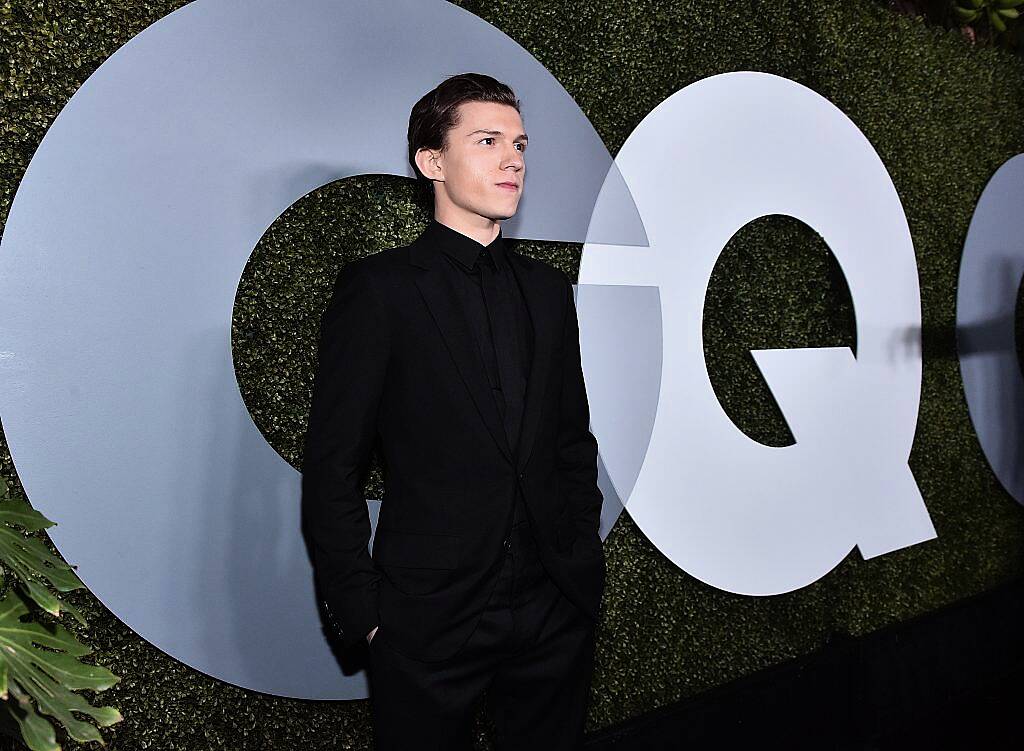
<point x="505" y="215"/>
<point x="497" y="213"/>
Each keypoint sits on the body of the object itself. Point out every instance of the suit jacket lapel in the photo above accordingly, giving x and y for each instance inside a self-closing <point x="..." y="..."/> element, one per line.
<point x="542" y="315"/>
<point x="443" y="303"/>
<point x="451" y="320"/>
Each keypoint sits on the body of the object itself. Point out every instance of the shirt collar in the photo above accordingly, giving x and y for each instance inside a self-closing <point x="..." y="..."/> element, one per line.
<point x="463" y="248"/>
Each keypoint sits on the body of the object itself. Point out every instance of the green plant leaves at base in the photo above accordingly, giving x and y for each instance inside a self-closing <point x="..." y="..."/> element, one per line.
<point x="48" y="678"/>
<point x="40" y="667"/>
<point x="30" y="559"/>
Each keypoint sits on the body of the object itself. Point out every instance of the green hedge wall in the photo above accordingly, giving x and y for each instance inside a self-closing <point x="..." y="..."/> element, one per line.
<point x="942" y="114"/>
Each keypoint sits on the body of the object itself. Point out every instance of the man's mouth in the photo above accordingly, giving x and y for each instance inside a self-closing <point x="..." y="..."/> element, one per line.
<point x="509" y="186"/>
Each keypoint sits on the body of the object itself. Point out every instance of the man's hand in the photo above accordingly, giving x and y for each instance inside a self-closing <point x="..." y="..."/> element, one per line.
<point x="369" y="636"/>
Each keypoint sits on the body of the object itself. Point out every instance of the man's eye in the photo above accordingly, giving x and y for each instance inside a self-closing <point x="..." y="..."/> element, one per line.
<point x="489" y="138"/>
<point x="523" y="145"/>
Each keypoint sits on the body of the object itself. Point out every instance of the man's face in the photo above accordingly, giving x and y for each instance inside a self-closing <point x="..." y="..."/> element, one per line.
<point x="483" y="168"/>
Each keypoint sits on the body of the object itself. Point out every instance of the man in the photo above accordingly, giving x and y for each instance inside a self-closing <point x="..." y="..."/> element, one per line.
<point x="463" y="356"/>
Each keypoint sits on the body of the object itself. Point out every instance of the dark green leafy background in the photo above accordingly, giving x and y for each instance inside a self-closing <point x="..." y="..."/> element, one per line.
<point x="942" y="114"/>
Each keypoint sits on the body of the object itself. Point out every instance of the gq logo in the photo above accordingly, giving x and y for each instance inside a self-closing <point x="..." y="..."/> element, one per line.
<point x="127" y="237"/>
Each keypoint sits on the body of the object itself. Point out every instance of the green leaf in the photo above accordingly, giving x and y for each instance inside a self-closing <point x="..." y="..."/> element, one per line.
<point x="40" y="667"/>
<point x="1008" y="12"/>
<point x="996" y="21"/>
<point x="34" y="564"/>
<point x="50" y="602"/>
<point x="37" y="733"/>
<point x="965" y="15"/>
<point x="44" y="681"/>
<point x="31" y="560"/>
<point x="17" y="511"/>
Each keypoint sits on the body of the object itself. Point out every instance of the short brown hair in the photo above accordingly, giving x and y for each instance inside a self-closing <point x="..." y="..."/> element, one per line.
<point x="437" y="112"/>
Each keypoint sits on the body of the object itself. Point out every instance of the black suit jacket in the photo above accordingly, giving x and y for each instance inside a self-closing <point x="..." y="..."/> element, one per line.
<point x="398" y="362"/>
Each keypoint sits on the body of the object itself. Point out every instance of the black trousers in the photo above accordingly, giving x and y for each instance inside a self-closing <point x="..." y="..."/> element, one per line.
<point x="531" y="654"/>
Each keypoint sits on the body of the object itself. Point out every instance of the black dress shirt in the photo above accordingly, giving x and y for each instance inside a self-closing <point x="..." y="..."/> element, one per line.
<point x="464" y="255"/>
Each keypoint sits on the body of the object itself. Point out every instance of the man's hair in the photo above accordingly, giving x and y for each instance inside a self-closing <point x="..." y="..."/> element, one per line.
<point x="437" y="112"/>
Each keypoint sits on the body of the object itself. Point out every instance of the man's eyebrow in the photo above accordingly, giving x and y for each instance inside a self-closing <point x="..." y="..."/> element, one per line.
<point x="520" y="137"/>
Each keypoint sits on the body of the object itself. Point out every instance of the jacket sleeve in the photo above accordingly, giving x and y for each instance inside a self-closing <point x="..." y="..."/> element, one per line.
<point x="577" y="447"/>
<point x="353" y="354"/>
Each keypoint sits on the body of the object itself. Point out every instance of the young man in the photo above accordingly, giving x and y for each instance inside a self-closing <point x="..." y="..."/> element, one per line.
<point x="463" y="357"/>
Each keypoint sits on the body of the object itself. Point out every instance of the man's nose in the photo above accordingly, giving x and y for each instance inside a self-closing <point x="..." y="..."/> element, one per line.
<point x="514" y="159"/>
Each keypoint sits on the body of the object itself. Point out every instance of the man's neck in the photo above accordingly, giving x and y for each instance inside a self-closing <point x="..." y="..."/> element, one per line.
<point x="480" y="228"/>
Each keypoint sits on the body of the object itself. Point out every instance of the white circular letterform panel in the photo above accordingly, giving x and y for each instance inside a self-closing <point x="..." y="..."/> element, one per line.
<point x="739" y="515"/>
<point x="986" y="304"/>
<point x="118" y="273"/>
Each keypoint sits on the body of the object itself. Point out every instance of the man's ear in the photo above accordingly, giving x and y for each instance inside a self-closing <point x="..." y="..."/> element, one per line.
<point x="428" y="161"/>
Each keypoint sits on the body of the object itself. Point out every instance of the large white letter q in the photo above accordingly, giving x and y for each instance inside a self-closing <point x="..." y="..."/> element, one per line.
<point x="739" y="515"/>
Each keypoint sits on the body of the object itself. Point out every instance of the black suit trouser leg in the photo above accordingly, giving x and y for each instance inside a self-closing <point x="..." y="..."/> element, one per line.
<point x="530" y="655"/>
